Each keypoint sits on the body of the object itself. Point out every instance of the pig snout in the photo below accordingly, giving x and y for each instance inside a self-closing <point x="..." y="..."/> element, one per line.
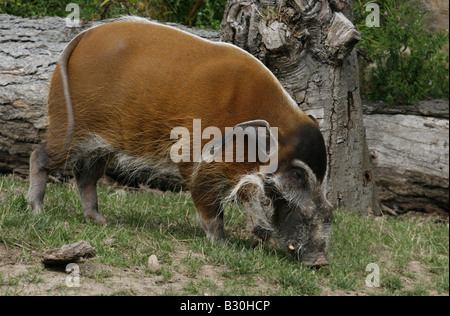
<point x="316" y="261"/>
<point x="313" y="259"/>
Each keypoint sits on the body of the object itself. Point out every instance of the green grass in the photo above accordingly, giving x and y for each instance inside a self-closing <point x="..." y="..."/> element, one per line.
<point x="412" y="254"/>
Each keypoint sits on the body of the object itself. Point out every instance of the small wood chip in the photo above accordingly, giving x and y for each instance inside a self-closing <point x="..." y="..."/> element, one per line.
<point x="69" y="253"/>
<point x="388" y="210"/>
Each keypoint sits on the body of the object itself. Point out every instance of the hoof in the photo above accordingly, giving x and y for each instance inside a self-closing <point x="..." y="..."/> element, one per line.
<point x="97" y="218"/>
<point x="35" y="208"/>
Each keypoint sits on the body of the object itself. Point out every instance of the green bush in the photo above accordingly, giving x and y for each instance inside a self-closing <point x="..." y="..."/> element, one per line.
<point x="408" y="63"/>
<point x="207" y="15"/>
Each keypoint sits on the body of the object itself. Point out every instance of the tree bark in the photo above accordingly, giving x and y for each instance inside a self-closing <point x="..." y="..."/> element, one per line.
<point x="308" y="45"/>
<point x="69" y="253"/>
<point x="409" y="150"/>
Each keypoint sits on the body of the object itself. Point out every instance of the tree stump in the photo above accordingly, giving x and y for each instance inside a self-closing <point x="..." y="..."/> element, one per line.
<point x="308" y="45"/>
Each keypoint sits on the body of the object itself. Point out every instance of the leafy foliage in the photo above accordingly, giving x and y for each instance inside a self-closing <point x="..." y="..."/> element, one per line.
<point x="408" y="62"/>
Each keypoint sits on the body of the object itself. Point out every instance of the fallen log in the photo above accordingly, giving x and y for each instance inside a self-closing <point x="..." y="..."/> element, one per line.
<point x="410" y="152"/>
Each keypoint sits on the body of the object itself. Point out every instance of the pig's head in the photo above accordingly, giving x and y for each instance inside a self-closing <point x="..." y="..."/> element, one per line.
<point x="302" y="215"/>
<point x="290" y="204"/>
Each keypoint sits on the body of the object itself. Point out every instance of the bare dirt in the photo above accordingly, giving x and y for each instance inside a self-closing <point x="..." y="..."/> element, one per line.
<point x="30" y="277"/>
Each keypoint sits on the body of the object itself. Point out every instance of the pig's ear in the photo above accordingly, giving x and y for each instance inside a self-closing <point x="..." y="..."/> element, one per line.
<point x="314" y="120"/>
<point x="255" y="123"/>
<point x="267" y="140"/>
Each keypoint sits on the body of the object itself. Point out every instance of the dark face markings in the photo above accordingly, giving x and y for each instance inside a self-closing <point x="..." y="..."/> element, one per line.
<point x="309" y="147"/>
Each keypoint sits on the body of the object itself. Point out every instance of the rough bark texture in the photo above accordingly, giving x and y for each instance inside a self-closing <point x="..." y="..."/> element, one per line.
<point x="410" y="151"/>
<point x="69" y="253"/>
<point x="308" y="45"/>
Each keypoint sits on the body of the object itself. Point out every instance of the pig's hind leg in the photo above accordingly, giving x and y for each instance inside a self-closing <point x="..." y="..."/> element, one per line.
<point x="39" y="171"/>
<point x="87" y="173"/>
